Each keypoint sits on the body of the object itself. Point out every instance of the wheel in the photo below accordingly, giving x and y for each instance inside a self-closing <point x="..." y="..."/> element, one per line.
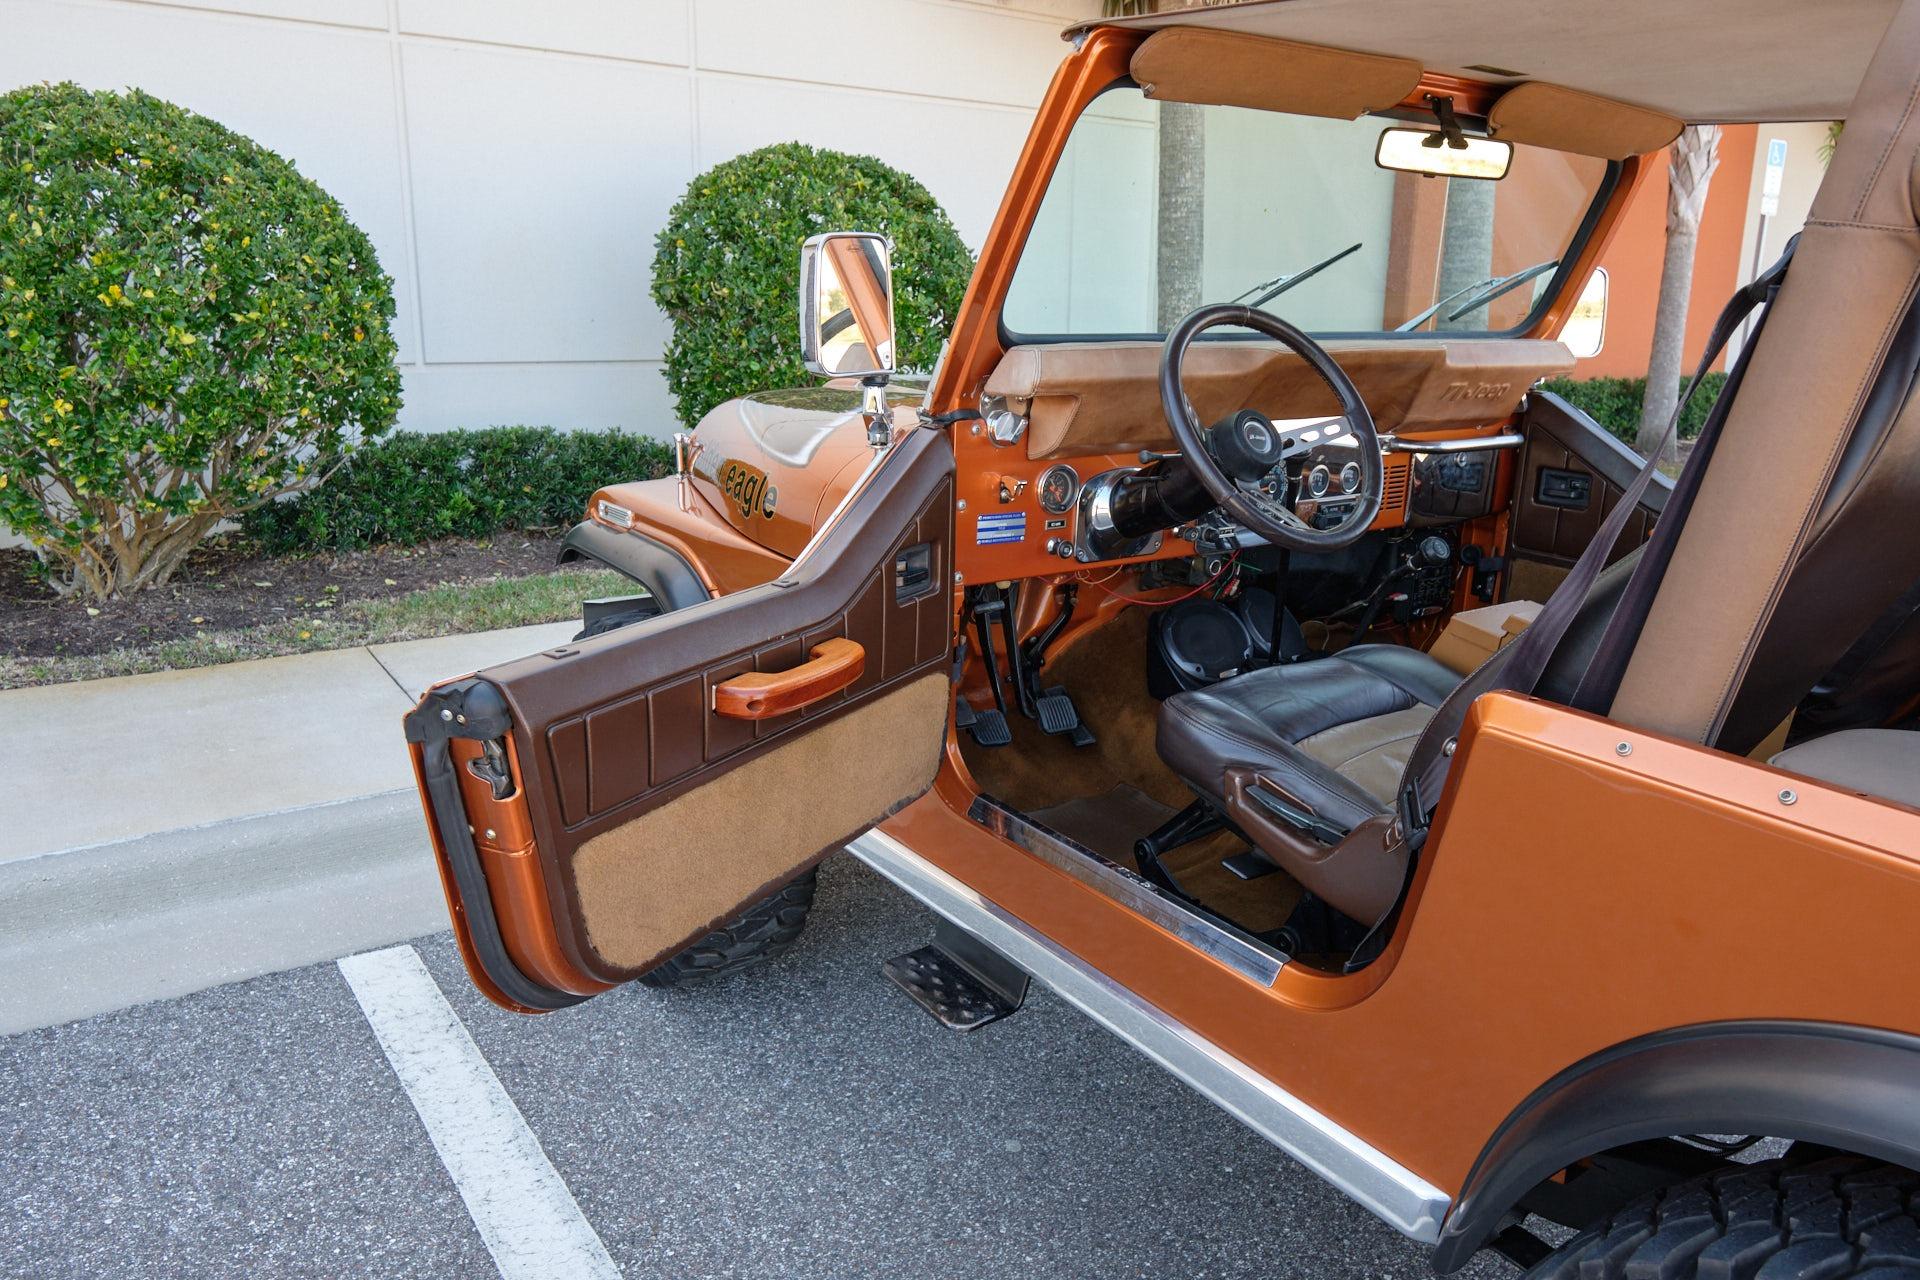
<point x="1787" y="1219"/>
<point x="761" y="932"/>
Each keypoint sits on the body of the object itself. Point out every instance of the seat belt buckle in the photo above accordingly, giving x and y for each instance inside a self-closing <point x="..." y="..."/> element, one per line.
<point x="1410" y="815"/>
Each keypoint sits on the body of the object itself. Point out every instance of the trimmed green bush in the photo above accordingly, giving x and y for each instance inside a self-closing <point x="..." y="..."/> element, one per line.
<point x="726" y="267"/>
<point x="188" y="329"/>
<point x="1615" y="402"/>
<point x="411" y="488"/>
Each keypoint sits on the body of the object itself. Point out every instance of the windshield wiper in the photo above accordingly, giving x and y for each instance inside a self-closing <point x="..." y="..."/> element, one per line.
<point x="1280" y="284"/>
<point x="1484" y="291"/>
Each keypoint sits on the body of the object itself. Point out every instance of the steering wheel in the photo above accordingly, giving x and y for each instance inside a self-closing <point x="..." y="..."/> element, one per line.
<point x="1234" y="456"/>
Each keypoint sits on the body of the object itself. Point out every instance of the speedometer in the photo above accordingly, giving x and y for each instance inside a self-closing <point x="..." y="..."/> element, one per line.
<point x="1059" y="486"/>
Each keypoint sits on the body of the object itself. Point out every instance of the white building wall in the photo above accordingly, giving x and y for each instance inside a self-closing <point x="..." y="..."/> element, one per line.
<point x="512" y="160"/>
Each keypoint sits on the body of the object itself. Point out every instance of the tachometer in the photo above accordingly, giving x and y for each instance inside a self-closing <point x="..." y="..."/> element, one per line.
<point x="1059" y="486"/>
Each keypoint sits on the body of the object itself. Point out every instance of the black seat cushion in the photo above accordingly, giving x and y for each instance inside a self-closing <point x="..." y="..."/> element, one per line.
<point x="1334" y="732"/>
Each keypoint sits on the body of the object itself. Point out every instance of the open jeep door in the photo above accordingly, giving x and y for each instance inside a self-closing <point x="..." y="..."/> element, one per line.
<point x="598" y="806"/>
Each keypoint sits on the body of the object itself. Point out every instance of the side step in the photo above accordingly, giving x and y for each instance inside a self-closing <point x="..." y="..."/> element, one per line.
<point x="959" y="979"/>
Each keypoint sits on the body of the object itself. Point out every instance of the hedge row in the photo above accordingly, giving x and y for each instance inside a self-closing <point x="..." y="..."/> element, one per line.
<point x="1615" y="402"/>
<point x="726" y="263"/>
<point x="409" y="488"/>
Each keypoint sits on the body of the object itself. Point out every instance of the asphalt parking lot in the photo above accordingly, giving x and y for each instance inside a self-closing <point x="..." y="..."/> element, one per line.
<point x="804" y="1119"/>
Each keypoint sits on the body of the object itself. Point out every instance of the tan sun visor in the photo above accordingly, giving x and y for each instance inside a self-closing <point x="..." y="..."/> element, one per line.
<point x="1222" y="68"/>
<point x="1546" y="115"/>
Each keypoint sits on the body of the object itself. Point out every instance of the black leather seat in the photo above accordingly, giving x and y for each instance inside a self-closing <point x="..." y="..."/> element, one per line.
<point x="1332" y="734"/>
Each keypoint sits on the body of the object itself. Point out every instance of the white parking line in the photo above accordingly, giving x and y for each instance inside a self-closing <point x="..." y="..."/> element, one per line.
<point x="527" y="1217"/>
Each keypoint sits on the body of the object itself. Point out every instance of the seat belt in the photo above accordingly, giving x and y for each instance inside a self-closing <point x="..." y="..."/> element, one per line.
<point x="1608" y="665"/>
<point x="1518" y="667"/>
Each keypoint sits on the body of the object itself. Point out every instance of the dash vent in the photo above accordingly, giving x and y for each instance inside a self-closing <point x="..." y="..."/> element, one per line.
<point x="1393" y="489"/>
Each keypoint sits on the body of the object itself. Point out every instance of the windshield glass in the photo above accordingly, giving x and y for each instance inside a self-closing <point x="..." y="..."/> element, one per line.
<point x="1157" y="208"/>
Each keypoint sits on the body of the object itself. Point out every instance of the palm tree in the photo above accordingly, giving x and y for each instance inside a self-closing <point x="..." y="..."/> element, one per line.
<point x="1466" y="248"/>
<point x="1183" y="211"/>
<point x="1694" y="156"/>
<point x="1182" y="201"/>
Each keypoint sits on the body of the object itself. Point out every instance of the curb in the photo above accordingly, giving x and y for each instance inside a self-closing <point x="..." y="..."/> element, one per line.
<point x="90" y="930"/>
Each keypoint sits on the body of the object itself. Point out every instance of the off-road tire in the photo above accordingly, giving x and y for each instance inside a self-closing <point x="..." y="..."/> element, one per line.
<point x="761" y="932"/>
<point x="1787" y="1219"/>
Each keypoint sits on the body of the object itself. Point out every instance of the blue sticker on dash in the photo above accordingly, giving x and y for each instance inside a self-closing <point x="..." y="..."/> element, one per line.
<point x="1002" y="526"/>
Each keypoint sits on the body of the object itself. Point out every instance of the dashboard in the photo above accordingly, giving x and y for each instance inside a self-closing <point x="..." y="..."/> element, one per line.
<point x="1021" y="518"/>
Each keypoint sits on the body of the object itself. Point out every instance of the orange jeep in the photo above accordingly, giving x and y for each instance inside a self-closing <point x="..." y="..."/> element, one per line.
<point x="1236" y="640"/>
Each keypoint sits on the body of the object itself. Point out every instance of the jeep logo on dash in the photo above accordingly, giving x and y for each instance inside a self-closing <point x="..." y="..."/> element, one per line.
<point x="747" y="488"/>
<point x="1477" y="391"/>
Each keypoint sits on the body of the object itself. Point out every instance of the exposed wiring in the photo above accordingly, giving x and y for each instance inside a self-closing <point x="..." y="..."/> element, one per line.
<point x="1188" y="595"/>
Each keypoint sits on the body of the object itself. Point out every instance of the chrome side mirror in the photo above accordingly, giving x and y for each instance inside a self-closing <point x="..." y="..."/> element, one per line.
<point x="1586" y="328"/>
<point x="846" y="305"/>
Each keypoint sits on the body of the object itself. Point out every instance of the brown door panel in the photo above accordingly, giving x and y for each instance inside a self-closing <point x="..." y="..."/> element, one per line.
<point x="654" y="817"/>
<point x="1572" y="474"/>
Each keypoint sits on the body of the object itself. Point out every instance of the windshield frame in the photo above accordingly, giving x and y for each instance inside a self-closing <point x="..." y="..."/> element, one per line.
<point x="1560" y="281"/>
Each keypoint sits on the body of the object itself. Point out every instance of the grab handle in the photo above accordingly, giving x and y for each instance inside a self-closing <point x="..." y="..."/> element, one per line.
<point x="759" y="695"/>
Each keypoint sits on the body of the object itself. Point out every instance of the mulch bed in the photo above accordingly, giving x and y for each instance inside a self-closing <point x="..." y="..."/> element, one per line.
<point x="227" y="585"/>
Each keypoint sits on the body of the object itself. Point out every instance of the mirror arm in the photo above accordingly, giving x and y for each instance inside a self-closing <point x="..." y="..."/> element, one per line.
<point x="1450" y="129"/>
<point x="873" y="407"/>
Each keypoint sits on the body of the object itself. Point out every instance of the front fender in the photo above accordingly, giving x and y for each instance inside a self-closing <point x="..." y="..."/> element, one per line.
<point x="663" y="571"/>
<point x="1854" y="1088"/>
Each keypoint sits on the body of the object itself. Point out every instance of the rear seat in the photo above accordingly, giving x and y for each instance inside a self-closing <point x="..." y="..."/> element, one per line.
<point x="1875" y="762"/>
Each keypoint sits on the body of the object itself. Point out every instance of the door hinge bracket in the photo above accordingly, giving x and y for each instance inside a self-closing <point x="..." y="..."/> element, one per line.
<point x="470" y="708"/>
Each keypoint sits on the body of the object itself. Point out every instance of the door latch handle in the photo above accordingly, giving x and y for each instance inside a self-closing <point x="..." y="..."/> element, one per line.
<point x="491" y="767"/>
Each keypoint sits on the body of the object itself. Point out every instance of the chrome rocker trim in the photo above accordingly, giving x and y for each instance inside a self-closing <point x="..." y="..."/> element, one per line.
<point x="1401" y="1198"/>
<point x="1238" y="952"/>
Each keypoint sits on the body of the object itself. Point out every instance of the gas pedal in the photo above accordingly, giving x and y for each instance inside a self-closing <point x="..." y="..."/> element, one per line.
<point x="989" y="728"/>
<point x="961" y="981"/>
<point x="1057" y="714"/>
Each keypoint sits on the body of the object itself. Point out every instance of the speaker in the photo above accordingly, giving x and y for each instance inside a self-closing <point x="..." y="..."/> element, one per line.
<point x="1255" y="607"/>
<point x="1193" y="644"/>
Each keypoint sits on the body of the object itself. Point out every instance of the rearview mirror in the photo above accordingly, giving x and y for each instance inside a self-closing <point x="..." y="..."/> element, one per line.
<point x="1429" y="151"/>
<point x="846" y="305"/>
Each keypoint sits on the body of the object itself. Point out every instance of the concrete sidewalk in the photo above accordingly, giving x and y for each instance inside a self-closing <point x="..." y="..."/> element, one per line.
<point x="169" y="832"/>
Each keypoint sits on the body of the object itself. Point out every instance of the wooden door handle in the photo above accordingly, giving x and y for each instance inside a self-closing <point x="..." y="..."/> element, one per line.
<point x="757" y="695"/>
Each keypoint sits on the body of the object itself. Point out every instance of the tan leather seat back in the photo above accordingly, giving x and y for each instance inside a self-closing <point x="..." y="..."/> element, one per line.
<point x="1802" y="530"/>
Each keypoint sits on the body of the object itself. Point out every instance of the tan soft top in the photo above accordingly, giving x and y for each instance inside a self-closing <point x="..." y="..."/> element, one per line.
<point x="1224" y="68"/>
<point x="1700" y="61"/>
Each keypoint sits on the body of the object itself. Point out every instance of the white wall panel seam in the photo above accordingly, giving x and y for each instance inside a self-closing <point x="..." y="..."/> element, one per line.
<point x="405" y="150"/>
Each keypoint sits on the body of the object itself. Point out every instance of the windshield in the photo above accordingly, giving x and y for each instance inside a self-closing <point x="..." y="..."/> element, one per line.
<point x="1158" y="208"/>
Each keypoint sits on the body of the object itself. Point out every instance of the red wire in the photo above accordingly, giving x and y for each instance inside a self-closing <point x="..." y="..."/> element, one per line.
<point x="1156" y="604"/>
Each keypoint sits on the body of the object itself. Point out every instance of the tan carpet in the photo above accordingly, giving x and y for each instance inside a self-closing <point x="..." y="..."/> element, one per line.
<point x="1039" y="772"/>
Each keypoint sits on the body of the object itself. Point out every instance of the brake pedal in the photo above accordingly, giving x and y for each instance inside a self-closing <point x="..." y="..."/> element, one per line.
<point x="960" y="980"/>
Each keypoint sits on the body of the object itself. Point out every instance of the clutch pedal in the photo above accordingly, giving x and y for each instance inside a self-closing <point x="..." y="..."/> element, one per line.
<point x="960" y="980"/>
<point x="989" y="728"/>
